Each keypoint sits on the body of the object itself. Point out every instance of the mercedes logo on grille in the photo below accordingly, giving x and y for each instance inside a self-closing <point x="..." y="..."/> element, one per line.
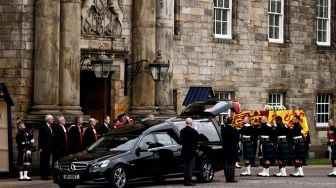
<point x="72" y="167"/>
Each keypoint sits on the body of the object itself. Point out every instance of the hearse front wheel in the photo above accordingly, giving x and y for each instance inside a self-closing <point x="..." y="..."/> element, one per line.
<point x="119" y="177"/>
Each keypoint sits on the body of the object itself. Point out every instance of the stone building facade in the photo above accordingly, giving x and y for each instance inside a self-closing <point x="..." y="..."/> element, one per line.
<point x="45" y="45"/>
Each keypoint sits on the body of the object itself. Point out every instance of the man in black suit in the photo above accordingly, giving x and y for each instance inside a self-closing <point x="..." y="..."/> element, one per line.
<point x="45" y="143"/>
<point x="105" y="127"/>
<point x="189" y="141"/>
<point x="75" y="136"/>
<point x="60" y="140"/>
<point x="90" y="135"/>
<point x="230" y="139"/>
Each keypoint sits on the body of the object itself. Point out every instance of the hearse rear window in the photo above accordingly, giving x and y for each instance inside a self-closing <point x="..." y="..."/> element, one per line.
<point x="206" y="130"/>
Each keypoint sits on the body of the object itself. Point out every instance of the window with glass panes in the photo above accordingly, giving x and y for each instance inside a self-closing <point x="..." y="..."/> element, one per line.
<point x="222" y="18"/>
<point x="323" y="22"/>
<point x="224" y="95"/>
<point x="275" y="99"/>
<point x="323" y="106"/>
<point x="275" y="21"/>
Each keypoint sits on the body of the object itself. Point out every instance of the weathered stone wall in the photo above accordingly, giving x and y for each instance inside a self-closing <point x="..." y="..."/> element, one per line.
<point x="16" y="51"/>
<point x="248" y="64"/>
<point x="119" y="102"/>
<point x="16" y="54"/>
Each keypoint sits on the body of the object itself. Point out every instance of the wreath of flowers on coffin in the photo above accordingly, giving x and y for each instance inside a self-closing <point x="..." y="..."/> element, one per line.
<point x="270" y="107"/>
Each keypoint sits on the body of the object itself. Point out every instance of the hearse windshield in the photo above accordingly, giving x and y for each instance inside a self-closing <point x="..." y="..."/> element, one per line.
<point x="112" y="142"/>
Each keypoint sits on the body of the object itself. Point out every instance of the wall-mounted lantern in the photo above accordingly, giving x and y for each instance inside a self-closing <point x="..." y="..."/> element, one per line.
<point x="100" y="63"/>
<point x="158" y="69"/>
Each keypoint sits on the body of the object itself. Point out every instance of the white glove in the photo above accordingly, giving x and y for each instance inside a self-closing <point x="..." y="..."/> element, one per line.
<point x="28" y="152"/>
<point x="32" y="141"/>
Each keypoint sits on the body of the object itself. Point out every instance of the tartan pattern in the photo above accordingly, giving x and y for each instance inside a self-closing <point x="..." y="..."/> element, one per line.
<point x="299" y="151"/>
<point x="333" y="152"/>
<point x="283" y="151"/>
<point x="267" y="151"/>
<point x="248" y="151"/>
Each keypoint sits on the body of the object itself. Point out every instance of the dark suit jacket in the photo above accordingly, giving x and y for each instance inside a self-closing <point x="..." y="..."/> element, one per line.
<point x="75" y="141"/>
<point x="103" y="130"/>
<point x="189" y="140"/>
<point x="230" y="139"/>
<point x="89" y="137"/>
<point x="45" y="139"/>
<point x="60" y="145"/>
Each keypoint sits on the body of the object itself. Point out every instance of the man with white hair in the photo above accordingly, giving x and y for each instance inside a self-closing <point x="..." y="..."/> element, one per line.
<point x="45" y="140"/>
<point x="189" y="141"/>
<point x="60" y="140"/>
<point x="90" y="134"/>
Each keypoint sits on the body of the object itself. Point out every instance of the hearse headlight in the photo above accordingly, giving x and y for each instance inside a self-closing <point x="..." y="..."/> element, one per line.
<point x="101" y="164"/>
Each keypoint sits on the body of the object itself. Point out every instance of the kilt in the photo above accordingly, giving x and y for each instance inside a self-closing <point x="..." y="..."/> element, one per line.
<point x="267" y="150"/>
<point x="248" y="151"/>
<point x="23" y="158"/>
<point x="333" y="152"/>
<point x="283" y="151"/>
<point x="299" y="151"/>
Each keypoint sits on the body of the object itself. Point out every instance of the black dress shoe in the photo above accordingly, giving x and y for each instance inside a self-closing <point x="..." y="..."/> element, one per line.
<point x="189" y="184"/>
<point x="232" y="181"/>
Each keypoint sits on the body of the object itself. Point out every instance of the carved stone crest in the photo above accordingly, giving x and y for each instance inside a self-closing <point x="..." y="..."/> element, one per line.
<point x="102" y="18"/>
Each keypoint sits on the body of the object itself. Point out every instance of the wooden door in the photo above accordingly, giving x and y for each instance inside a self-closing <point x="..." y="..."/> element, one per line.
<point x="94" y="95"/>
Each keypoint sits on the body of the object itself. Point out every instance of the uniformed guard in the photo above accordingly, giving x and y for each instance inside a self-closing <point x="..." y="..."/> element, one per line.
<point x="332" y="144"/>
<point x="265" y="132"/>
<point x="247" y="133"/>
<point x="298" y="147"/>
<point x="283" y="149"/>
<point x="24" y="141"/>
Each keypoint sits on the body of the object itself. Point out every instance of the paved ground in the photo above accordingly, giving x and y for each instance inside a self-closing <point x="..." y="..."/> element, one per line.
<point x="315" y="177"/>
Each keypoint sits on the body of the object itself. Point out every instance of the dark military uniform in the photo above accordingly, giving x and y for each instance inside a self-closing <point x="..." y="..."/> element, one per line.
<point x="265" y="132"/>
<point x="247" y="133"/>
<point x="24" y="146"/>
<point x="283" y="147"/>
<point x="332" y="141"/>
<point x="332" y="144"/>
<point x="299" y="149"/>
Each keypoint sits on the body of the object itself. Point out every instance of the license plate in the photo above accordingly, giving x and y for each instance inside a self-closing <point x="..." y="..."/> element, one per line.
<point x="71" y="176"/>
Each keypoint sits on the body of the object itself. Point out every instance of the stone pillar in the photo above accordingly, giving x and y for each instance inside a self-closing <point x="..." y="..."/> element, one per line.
<point x="46" y="57"/>
<point x="69" y="75"/>
<point x="164" y="41"/>
<point x="143" y="42"/>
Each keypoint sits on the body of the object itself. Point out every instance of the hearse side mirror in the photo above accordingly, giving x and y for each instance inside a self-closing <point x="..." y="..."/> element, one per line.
<point x="139" y="150"/>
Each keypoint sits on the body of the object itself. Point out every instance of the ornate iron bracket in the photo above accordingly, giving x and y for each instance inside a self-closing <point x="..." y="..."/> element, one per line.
<point x="132" y="70"/>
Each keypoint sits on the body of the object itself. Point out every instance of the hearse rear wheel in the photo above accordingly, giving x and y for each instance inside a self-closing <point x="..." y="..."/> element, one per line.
<point x="207" y="172"/>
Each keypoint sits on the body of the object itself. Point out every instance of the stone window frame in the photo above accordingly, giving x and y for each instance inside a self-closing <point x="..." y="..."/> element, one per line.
<point x="275" y="95"/>
<point x="329" y="107"/>
<point x="228" y="21"/>
<point x="328" y="20"/>
<point x="281" y="21"/>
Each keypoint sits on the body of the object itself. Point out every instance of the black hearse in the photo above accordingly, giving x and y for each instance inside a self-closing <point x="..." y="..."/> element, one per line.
<point x="147" y="150"/>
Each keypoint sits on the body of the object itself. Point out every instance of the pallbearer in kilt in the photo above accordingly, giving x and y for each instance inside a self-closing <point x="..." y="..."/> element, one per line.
<point x="298" y="147"/>
<point x="265" y="132"/>
<point x="282" y="148"/>
<point x="247" y="133"/>
<point x="331" y="131"/>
